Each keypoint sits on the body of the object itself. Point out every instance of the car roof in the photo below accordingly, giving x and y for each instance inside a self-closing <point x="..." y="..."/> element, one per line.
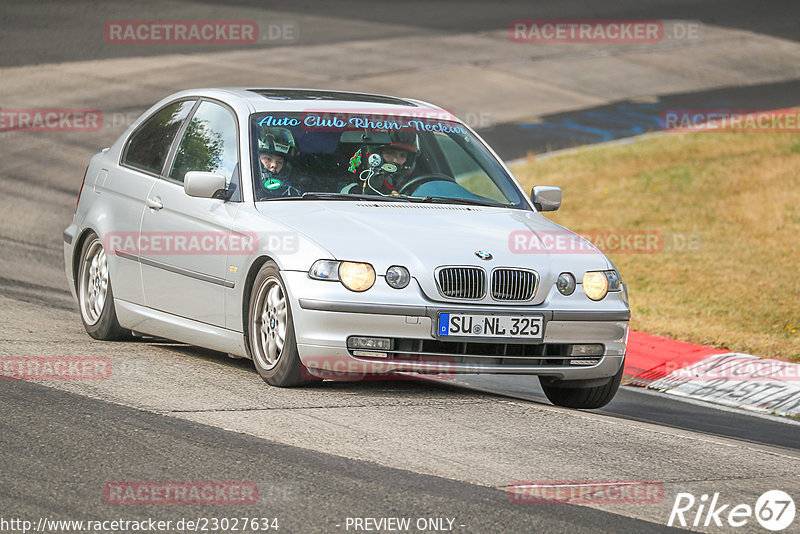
<point x="299" y="99"/>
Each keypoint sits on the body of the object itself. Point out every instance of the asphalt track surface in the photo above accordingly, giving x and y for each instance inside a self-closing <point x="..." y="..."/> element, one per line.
<point x="647" y="406"/>
<point x="610" y="122"/>
<point x="305" y="490"/>
<point x="52" y="31"/>
<point x="320" y="455"/>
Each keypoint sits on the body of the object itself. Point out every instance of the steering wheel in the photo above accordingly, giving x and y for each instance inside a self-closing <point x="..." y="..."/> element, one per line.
<point x="414" y="184"/>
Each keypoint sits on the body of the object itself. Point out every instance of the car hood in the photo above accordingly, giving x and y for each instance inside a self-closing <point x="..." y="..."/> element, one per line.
<point x="422" y="237"/>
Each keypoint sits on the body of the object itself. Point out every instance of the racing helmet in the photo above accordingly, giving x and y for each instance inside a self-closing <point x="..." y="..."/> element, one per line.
<point x="397" y="174"/>
<point x="277" y="142"/>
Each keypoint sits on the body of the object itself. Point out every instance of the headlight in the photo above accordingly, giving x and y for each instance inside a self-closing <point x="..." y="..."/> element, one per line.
<point x="398" y="277"/>
<point x="566" y="284"/>
<point x="614" y="280"/>
<point x="595" y="284"/>
<point x="356" y="276"/>
<point x="325" y="270"/>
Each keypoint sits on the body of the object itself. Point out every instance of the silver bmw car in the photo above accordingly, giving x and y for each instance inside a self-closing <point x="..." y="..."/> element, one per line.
<point x="340" y="235"/>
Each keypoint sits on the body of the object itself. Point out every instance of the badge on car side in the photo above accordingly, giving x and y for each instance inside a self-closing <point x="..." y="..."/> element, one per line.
<point x="483" y="255"/>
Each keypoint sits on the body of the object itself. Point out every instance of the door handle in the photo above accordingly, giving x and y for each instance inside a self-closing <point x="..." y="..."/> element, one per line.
<point x="154" y="203"/>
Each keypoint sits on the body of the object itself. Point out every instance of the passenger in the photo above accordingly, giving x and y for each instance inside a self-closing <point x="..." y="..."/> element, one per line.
<point x="276" y="150"/>
<point x="387" y="175"/>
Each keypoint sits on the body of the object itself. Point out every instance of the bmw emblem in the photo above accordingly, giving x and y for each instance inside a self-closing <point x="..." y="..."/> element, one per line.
<point x="482" y="254"/>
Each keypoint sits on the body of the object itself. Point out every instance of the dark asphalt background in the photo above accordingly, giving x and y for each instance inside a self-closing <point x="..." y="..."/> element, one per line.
<point x="59" y="450"/>
<point x="52" y="37"/>
<point x="39" y="32"/>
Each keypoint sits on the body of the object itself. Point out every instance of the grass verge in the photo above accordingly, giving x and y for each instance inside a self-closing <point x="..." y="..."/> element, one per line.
<point x="727" y="206"/>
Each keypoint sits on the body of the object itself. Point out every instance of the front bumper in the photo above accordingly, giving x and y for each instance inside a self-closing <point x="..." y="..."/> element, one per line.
<point x="325" y="314"/>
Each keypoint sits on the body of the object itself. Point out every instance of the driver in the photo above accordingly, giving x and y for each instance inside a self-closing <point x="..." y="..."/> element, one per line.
<point x="276" y="149"/>
<point x="394" y="165"/>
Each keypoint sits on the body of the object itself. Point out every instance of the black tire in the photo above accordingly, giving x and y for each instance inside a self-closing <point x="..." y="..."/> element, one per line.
<point x="99" y="318"/>
<point x="571" y="395"/>
<point x="279" y="365"/>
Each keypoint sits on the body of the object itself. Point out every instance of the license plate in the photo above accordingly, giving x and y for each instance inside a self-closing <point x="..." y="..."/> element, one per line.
<point x="478" y="326"/>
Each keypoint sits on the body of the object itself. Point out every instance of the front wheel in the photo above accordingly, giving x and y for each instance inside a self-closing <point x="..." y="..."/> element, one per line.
<point x="95" y="296"/>
<point x="271" y="338"/>
<point x="586" y="398"/>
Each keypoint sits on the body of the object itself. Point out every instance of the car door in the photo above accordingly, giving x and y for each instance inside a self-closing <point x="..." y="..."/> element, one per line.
<point x="125" y="188"/>
<point x="184" y="269"/>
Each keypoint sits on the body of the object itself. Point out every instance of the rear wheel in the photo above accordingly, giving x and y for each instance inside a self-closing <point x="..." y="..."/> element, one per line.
<point x="95" y="296"/>
<point x="271" y="338"/>
<point x="570" y="394"/>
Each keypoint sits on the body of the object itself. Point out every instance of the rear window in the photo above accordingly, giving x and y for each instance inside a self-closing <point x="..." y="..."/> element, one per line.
<point x="149" y="145"/>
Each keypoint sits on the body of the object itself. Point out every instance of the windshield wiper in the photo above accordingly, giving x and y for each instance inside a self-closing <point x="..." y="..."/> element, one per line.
<point x="391" y="198"/>
<point x="349" y="196"/>
<point x="336" y="196"/>
<point x="456" y="200"/>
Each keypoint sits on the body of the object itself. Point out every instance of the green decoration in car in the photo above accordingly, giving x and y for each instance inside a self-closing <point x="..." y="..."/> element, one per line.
<point x="355" y="161"/>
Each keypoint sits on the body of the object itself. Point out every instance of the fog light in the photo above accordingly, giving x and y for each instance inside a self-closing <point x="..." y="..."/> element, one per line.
<point x="370" y="354"/>
<point x="584" y="362"/>
<point x="398" y="277"/>
<point x="566" y="284"/>
<point x="374" y="343"/>
<point x="586" y="350"/>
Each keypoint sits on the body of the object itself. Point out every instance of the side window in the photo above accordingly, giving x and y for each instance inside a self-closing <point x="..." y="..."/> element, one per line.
<point x="209" y="144"/>
<point x="149" y="145"/>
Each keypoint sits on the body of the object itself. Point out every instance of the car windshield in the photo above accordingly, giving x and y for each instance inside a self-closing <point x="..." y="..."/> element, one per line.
<point x="347" y="156"/>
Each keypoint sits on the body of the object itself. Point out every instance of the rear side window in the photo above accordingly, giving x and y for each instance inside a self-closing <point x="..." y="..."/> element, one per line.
<point x="149" y="146"/>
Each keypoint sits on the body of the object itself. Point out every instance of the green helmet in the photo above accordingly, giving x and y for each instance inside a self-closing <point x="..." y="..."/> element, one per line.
<point x="278" y="142"/>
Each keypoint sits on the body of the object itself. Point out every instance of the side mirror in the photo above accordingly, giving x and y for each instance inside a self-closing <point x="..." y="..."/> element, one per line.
<point x="546" y="197"/>
<point x="203" y="184"/>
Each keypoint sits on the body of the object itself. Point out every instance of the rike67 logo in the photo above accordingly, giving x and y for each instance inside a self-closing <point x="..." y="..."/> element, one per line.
<point x="774" y="510"/>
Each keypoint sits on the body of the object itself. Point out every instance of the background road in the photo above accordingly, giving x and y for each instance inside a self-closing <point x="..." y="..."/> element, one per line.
<point x="52" y="32"/>
<point x="411" y="448"/>
<point x="306" y="491"/>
